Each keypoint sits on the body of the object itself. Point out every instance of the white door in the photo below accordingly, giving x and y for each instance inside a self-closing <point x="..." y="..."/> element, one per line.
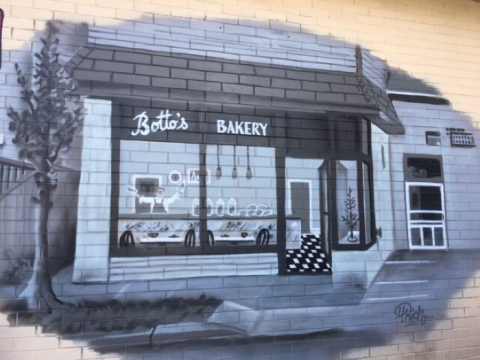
<point x="426" y="215"/>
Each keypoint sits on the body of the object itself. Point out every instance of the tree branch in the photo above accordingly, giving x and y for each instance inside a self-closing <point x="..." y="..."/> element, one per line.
<point x="36" y="164"/>
<point x="53" y="158"/>
<point x="28" y="99"/>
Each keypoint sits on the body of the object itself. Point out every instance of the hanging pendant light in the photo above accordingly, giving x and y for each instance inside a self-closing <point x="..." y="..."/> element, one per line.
<point x="249" y="171"/>
<point x="234" y="171"/>
<point x="219" y="169"/>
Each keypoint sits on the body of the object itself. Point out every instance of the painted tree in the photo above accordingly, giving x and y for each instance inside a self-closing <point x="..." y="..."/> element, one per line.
<point x="350" y="218"/>
<point x="44" y="129"/>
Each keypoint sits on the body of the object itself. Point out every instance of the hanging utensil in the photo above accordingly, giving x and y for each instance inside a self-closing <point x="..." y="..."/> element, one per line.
<point x="219" y="169"/>
<point x="234" y="171"/>
<point x="249" y="171"/>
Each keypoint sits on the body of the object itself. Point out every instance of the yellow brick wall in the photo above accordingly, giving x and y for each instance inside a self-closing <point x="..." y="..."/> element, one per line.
<point x="433" y="40"/>
<point x="437" y="41"/>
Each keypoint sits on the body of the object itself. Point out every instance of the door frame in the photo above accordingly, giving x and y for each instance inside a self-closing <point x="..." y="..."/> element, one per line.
<point x="289" y="206"/>
<point x="412" y="224"/>
<point x="327" y="207"/>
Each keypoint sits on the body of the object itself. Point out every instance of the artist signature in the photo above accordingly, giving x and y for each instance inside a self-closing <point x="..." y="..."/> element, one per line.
<point x="410" y="315"/>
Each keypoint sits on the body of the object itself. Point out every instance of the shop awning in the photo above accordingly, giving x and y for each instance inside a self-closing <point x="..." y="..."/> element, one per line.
<point x="113" y="71"/>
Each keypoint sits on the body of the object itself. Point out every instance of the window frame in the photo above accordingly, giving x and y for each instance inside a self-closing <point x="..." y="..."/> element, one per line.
<point x="407" y="177"/>
<point x="360" y="157"/>
<point x="279" y="126"/>
<point x="414" y="181"/>
<point x="204" y="248"/>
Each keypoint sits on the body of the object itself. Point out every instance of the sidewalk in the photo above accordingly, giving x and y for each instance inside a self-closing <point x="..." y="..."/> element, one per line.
<point x="124" y="318"/>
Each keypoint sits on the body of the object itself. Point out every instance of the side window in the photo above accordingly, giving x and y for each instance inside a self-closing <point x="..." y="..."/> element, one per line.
<point x="423" y="168"/>
<point x="354" y="204"/>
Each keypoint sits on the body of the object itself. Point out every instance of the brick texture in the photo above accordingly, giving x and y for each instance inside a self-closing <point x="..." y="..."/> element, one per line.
<point x="343" y="87"/>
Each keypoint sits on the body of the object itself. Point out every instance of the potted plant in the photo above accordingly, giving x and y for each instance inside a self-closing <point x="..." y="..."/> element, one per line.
<point x="350" y="218"/>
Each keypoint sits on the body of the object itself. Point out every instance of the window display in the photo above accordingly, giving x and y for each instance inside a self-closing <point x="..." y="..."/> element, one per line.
<point x="253" y="188"/>
<point x="242" y="199"/>
<point x="160" y="201"/>
<point x="159" y="182"/>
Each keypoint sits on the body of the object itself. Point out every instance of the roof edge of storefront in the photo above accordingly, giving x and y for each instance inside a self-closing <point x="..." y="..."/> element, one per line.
<point x="109" y="71"/>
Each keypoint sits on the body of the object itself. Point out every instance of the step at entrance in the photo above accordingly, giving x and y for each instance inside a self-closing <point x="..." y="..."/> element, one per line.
<point x="310" y="258"/>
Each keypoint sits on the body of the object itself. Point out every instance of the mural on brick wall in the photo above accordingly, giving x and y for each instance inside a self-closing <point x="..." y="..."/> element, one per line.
<point x="42" y="130"/>
<point x="217" y="201"/>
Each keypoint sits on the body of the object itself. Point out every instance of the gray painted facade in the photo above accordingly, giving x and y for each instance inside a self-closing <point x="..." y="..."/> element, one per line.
<point x="168" y="192"/>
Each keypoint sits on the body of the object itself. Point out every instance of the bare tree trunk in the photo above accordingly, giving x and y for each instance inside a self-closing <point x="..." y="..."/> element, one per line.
<point x="39" y="288"/>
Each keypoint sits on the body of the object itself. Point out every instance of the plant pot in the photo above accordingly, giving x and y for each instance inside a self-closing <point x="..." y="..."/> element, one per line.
<point x="352" y="239"/>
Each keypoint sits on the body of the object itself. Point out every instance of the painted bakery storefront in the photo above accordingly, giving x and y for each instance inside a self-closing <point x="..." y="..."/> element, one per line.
<point x="220" y="192"/>
<point x="214" y="182"/>
<point x="192" y="183"/>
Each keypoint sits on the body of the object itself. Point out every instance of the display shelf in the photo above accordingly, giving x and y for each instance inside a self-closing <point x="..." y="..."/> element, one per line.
<point x="148" y="216"/>
<point x="146" y="240"/>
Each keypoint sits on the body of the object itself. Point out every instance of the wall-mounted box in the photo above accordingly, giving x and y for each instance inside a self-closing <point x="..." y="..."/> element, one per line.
<point x="433" y="138"/>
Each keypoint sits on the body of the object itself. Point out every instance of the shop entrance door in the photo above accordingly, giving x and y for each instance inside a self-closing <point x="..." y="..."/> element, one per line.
<point x="426" y="216"/>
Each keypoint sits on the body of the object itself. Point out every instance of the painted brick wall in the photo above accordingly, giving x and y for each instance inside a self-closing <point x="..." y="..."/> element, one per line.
<point x="284" y="62"/>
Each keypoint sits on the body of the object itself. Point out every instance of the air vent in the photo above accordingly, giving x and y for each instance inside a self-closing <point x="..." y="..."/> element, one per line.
<point x="462" y="139"/>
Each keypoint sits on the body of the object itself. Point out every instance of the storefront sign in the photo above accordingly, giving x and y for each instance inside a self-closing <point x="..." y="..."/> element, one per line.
<point x="164" y="122"/>
<point x="241" y="128"/>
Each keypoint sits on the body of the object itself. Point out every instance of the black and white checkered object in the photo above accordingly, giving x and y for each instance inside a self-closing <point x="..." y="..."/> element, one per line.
<point x="310" y="258"/>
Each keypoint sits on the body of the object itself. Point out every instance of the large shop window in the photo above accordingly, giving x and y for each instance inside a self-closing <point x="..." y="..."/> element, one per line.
<point x="158" y="191"/>
<point x="241" y="195"/>
<point x="170" y="203"/>
<point x="212" y="189"/>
